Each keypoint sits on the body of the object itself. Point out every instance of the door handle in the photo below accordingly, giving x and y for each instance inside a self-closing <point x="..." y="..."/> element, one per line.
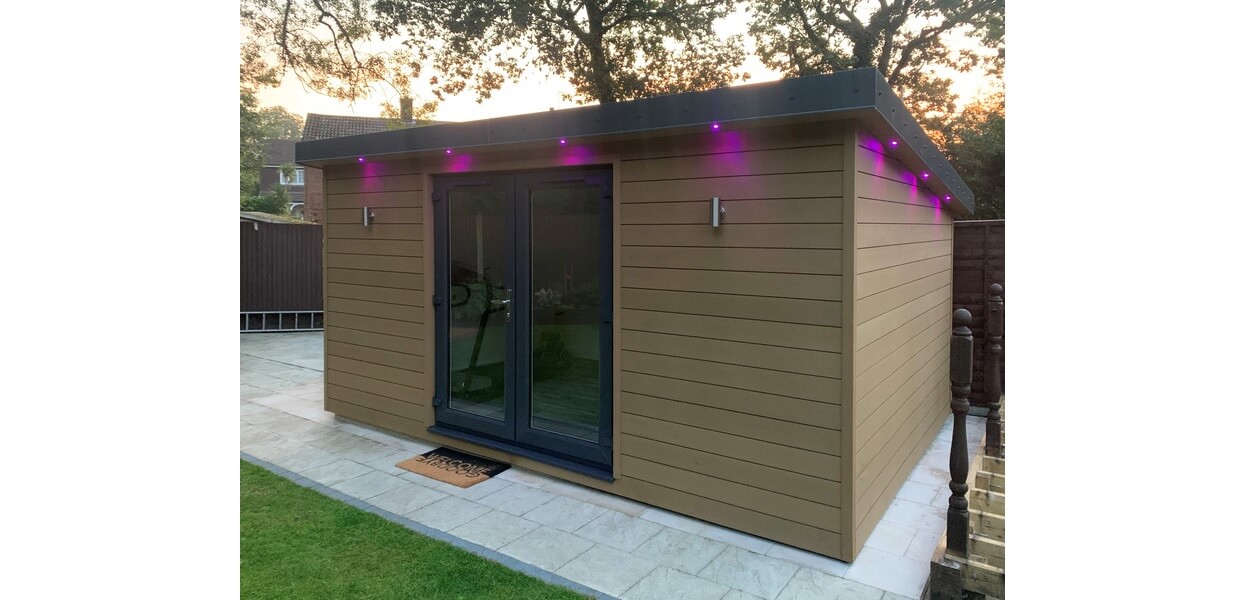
<point x="507" y="306"/>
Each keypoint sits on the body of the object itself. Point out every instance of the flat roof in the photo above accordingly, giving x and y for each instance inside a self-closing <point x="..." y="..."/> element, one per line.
<point x="860" y="94"/>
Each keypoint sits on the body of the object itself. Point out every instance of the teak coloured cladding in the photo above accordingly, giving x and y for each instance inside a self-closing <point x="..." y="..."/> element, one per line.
<point x="729" y="344"/>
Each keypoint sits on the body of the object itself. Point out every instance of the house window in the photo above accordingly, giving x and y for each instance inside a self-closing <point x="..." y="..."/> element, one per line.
<point x="298" y="179"/>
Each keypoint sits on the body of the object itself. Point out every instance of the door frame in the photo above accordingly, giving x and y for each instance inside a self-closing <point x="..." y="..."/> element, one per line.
<point x="521" y="438"/>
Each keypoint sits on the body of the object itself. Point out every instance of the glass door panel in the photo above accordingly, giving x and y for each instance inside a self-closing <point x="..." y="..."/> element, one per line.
<point x="479" y="302"/>
<point x="564" y="314"/>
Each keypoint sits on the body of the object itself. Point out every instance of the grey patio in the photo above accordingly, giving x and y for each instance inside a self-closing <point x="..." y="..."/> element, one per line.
<point x="613" y="545"/>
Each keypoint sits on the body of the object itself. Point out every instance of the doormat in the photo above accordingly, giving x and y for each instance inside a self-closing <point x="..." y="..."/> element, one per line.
<point x="450" y="466"/>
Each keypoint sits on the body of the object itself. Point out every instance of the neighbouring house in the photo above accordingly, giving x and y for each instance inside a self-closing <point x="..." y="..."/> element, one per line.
<point x="278" y="153"/>
<point x="321" y="127"/>
<point x="732" y="304"/>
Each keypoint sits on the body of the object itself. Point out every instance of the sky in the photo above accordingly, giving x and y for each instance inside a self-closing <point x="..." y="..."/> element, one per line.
<point x="537" y="91"/>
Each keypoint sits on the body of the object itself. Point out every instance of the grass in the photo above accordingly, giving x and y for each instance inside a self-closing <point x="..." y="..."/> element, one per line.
<point x="296" y="543"/>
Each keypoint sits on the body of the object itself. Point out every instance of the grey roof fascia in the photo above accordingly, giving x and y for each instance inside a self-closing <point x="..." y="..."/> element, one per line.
<point x="859" y="93"/>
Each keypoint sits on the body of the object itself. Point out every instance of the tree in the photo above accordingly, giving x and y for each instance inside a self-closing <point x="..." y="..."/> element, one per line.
<point x="327" y="46"/>
<point x="609" y="50"/>
<point x="977" y="151"/>
<point x="253" y="74"/>
<point x="903" y="39"/>
<point x="278" y="123"/>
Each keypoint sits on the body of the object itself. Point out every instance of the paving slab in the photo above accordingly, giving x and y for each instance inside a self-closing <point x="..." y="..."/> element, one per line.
<point x="619" y="530"/>
<point x="607" y="569"/>
<point x="750" y="572"/>
<point x="547" y="547"/>
<point x="666" y="584"/>
<point x="680" y="550"/>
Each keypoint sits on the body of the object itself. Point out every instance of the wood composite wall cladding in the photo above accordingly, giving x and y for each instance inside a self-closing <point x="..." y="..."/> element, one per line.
<point x="732" y="348"/>
<point x="902" y="320"/>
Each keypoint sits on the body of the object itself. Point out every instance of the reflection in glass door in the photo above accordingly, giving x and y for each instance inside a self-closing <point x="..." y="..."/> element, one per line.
<point x="527" y="278"/>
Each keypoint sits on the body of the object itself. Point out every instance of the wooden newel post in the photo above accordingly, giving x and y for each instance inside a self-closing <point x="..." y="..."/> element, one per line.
<point x="994" y="374"/>
<point x="961" y="386"/>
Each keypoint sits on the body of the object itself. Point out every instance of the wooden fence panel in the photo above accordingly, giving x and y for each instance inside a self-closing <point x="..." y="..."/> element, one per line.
<point x="980" y="260"/>
<point x="279" y="267"/>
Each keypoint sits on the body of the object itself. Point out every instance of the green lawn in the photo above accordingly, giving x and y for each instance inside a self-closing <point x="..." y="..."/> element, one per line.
<point x="297" y="543"/>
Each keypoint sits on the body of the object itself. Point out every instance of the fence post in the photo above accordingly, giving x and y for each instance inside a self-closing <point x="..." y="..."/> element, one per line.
<point x="994" y="374"/>
<point x="961" y="386"/>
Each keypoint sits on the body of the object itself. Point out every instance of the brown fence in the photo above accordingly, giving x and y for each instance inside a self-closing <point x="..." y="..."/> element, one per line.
<point x="980" y="260"/>
<point x="279" y="267"/>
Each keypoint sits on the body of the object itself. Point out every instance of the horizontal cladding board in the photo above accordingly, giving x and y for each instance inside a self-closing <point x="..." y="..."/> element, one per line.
<point x="374" y="294"/>
<point x="798" y="485"/>
<point x="388" y="358"/>
<point x="917" y="370"/>
<point x="786" y="310"/>
<point x="882" y="257"/>
<point x="889" y="190"/>
<point x="749" y="187"/>
<point x="879" y="379"/>
<point x="415" y="331"/>
<point x="405" y="248"/>
<point x="885" y="279"/>
<point x="390" y="406"/>
<point x="896" y="460"/>
<point x="868" y="210"/>
<point x="871" y="330"/>
<point x="775" y="456"/>
<point x="790" y="360"/>
<point x="405" y="281"/>
<point x="801" y="535"/>
<point x="375" y="340"/>
<point x="806" y="437"/>
<point x="383" y="183"/>
<point x="368" y="262"/>
<point x="372" y="168"/>
<point x="795" y="385"/>
<point x="868" y="235"/>
<point x="374" y="417"/>
<point x="784" y="210"/>
<point x="880" y="303"/>
<point x="730" y="235"/>
<point x="372" y="232"/>
<point x="884" y="165"/>
<point x="873" y="353"/>
<point x="785" y="285"/>
<point x="882" y="489"/>
<point x="881" y="428"/>
<point x="743" y="496"/>
<point x="867" y="284"/>
<point x="771" y="260"/>
<point x="387" y="216"/>
<point x="405" y="377"/>
<point x="381" y="310"/>
<point x="384" y="203"/>
<point x="750" y="162"/>
<point x="386" y="389"/>
<point x="651" y="147"/>
<point x="807" y="337"/>
<point x="784" y="408"/>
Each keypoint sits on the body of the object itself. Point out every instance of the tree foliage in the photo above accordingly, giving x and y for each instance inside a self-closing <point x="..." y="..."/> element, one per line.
<point x="976" y="149"/>
<point x="904" y="39"/>
<point x="609" y="50"/>
<point x="278" y="123"/>
<point x="253" y="74"/>
<point x="326" y="45"/>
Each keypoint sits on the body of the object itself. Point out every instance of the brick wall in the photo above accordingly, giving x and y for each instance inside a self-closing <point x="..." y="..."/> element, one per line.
<point x="314" y="195"/>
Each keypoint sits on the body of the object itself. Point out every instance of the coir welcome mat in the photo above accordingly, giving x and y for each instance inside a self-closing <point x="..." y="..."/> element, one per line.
<point x="450" y="466"/>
